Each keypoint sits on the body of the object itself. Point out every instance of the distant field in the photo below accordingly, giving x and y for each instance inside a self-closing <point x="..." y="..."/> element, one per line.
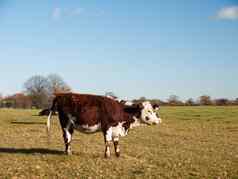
<point x="192" y="142"/>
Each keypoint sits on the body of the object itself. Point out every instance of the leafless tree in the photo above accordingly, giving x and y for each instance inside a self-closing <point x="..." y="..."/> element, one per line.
<point x="37" y="87"/>
<point x="205" y="100"/>
<point x="41" y="89"/>
<point x="57" y="84"/>
<point x="174" y="100"/>
<point x="190" y="102"/>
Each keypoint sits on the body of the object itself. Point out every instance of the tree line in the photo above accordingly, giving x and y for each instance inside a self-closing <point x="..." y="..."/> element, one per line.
<point x="38" y="92"/>
<point x="204" y="100"/>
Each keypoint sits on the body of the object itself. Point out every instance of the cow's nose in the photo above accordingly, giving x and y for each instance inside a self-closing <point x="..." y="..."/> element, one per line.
<point x="155" y="122"/>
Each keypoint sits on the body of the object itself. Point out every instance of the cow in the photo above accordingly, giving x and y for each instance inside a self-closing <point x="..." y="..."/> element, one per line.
<point x="91" y="113"/>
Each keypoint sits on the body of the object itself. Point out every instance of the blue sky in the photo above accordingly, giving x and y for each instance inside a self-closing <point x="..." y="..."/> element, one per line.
<point x="134" y="48"/>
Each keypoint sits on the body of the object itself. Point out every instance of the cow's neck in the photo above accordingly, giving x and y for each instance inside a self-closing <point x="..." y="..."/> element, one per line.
<point x="136" y="123"/>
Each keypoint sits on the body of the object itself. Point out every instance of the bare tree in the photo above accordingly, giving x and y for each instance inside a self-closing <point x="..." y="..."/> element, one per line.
<point x="205" y="100"/>
<point x="42" y="89"/>
<point x="57" y="84"/>
<point x="37" y="87"/>
<point x="174" y="100"/>
<point x="190" y="102"/>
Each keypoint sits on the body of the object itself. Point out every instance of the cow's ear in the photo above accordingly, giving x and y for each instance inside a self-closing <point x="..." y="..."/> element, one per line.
<point x="156" y="107"/>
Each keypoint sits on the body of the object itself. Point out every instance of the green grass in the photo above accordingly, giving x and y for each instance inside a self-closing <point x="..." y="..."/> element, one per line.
<point x="192" y="142"/>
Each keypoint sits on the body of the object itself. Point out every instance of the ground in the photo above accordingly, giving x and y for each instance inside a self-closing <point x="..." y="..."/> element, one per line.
<point x="192" y="142"/>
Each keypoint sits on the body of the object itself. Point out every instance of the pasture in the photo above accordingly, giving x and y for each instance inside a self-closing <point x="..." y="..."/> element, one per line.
<point x="192" y="142"/>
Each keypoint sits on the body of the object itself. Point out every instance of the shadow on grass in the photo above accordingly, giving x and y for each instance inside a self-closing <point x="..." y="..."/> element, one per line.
<point x="30" y="123"/>
<point x="30" y="151"/>
<point x="37" y="115"/>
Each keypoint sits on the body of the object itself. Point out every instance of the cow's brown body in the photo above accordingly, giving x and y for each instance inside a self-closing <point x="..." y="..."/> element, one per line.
<point x="91" y="110"/>
<point x="83" y="112"/>
<point x="91" y="113"/>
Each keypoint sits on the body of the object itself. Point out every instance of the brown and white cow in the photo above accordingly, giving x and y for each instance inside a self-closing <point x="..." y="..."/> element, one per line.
<point x="92" y="113"/>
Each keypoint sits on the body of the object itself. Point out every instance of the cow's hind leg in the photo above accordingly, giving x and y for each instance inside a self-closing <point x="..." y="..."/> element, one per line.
<point x="116" y="146"/>
<point x="67" y="134"/>
<point x="108" y="139"/>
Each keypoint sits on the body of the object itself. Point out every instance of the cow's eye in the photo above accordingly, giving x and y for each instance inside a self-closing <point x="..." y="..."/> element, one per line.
<point x="147" y="118"/>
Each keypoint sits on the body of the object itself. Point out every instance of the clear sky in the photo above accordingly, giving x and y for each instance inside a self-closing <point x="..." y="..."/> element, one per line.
<point x="151" y="48"/>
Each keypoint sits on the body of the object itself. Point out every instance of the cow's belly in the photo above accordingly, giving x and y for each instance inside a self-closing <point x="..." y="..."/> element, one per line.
<point x="85" y="128"/>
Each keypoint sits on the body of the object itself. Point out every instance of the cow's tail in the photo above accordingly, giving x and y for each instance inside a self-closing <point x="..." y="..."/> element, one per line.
<point x="52" y="109"/>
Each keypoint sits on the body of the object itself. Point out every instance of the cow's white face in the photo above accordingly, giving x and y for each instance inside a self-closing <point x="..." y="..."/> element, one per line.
<point x="149" y="115"/>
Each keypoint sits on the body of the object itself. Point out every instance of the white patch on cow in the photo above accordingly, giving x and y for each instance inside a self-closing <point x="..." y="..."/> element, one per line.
<point x="69" y="151"/>
<point x="128" y="103"/>
<point x="116" y="131"/>
<point x="117" y="149"/>
<point x="72" y="120"/>
<point x="89" y="129"/>
<point x="107" y="152"/>
<point x="48" y="121"/>
<point x="119" y="130"/>
<point x="109" y="134"/>
<point x="147" y="105"/>
<point x="116" y="139"/>
<point x="136" y="123"/>
<point x="111" y="97"/>
<point x="68" y="135"/>
<point x="156" y="109"/>
<point x="85" y="128"/>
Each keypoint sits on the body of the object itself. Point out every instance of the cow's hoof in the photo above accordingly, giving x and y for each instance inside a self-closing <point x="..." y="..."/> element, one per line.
<point x="68" y="152"/>
<point x="118" y="154"/>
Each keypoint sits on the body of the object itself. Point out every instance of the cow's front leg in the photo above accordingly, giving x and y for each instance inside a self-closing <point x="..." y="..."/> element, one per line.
<point x="67" y="134"/>
<point x="116" y="146"/>
<point x="108" y="139"/>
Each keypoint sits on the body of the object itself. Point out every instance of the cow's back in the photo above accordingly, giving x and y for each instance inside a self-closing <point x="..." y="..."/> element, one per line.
<point x="91" y="109"/>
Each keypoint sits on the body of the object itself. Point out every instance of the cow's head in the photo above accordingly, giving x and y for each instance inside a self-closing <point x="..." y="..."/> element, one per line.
<point x="149" y="113"/>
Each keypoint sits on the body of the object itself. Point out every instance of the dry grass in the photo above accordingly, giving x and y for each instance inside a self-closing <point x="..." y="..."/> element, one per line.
<point x="192" y="142"/>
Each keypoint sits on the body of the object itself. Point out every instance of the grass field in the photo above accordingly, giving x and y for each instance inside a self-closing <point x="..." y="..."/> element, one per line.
<point x="192" y="142"/>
